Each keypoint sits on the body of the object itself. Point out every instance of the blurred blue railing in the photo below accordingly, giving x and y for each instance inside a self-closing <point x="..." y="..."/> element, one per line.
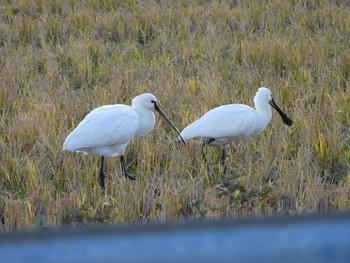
<point x="313" y="238"/>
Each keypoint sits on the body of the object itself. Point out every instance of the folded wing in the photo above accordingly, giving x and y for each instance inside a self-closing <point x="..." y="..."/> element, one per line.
<point x="229" y="121"/>
<point x="103" y="127"/>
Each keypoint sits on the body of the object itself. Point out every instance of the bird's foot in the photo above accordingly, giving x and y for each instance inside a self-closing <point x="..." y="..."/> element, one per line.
<point x="129" y="176"/>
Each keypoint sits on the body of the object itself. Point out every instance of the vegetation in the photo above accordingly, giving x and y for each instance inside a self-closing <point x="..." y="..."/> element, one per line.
<point x="60" y="59"/>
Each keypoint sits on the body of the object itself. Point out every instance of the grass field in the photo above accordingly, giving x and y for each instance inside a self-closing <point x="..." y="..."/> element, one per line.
<point x="61" y="59"/>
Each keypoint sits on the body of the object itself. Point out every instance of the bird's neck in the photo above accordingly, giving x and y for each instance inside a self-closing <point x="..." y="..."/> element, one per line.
<point x="264" y="114"/>
<point x="147" y="121"/>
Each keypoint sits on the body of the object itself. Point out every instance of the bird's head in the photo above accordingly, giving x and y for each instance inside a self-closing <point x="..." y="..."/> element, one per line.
<point x="265" y="95"/>
<point x="145" y="100"/>
<point x="149" y="101"/>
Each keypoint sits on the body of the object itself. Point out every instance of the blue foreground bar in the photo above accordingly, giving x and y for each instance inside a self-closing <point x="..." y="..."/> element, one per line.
<point x="316" y="238"/>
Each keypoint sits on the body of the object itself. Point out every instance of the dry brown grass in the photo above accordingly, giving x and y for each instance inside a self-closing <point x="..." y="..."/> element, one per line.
<point x="60" y="59"/>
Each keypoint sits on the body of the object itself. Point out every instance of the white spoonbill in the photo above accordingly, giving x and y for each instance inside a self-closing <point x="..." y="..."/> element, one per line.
<point x="225" y="124"/>
<point x="107" y="130"/>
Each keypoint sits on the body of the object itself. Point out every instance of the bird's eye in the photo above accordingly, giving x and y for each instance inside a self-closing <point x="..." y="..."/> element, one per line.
<point x="153" y="101"/>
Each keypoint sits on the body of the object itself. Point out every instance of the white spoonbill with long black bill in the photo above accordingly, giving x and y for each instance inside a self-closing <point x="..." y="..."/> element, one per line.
<point x="107" y="130"/>
<point x="225" y="124"/>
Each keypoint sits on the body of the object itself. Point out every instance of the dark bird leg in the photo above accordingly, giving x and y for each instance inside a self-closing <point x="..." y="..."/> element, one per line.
<point x="122" y="161"/>
<point x="204" y="153"/>
<point x="205" y="158"/>
<point x="222" y="159"/>
<point x="205" y="143"/>
<point x="102" y="174"/>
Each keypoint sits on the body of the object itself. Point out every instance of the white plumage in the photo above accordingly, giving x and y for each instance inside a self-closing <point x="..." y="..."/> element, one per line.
<point x="225" y="124"/>
<point x="107" y="130"/>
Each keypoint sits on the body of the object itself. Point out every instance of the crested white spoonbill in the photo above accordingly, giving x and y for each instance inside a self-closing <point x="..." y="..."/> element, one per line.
<point x="225" y="124"/>
<point x="107" y="130"/>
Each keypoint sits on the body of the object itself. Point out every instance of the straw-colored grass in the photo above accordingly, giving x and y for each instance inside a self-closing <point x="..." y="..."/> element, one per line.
<point x="61" y="59"/>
